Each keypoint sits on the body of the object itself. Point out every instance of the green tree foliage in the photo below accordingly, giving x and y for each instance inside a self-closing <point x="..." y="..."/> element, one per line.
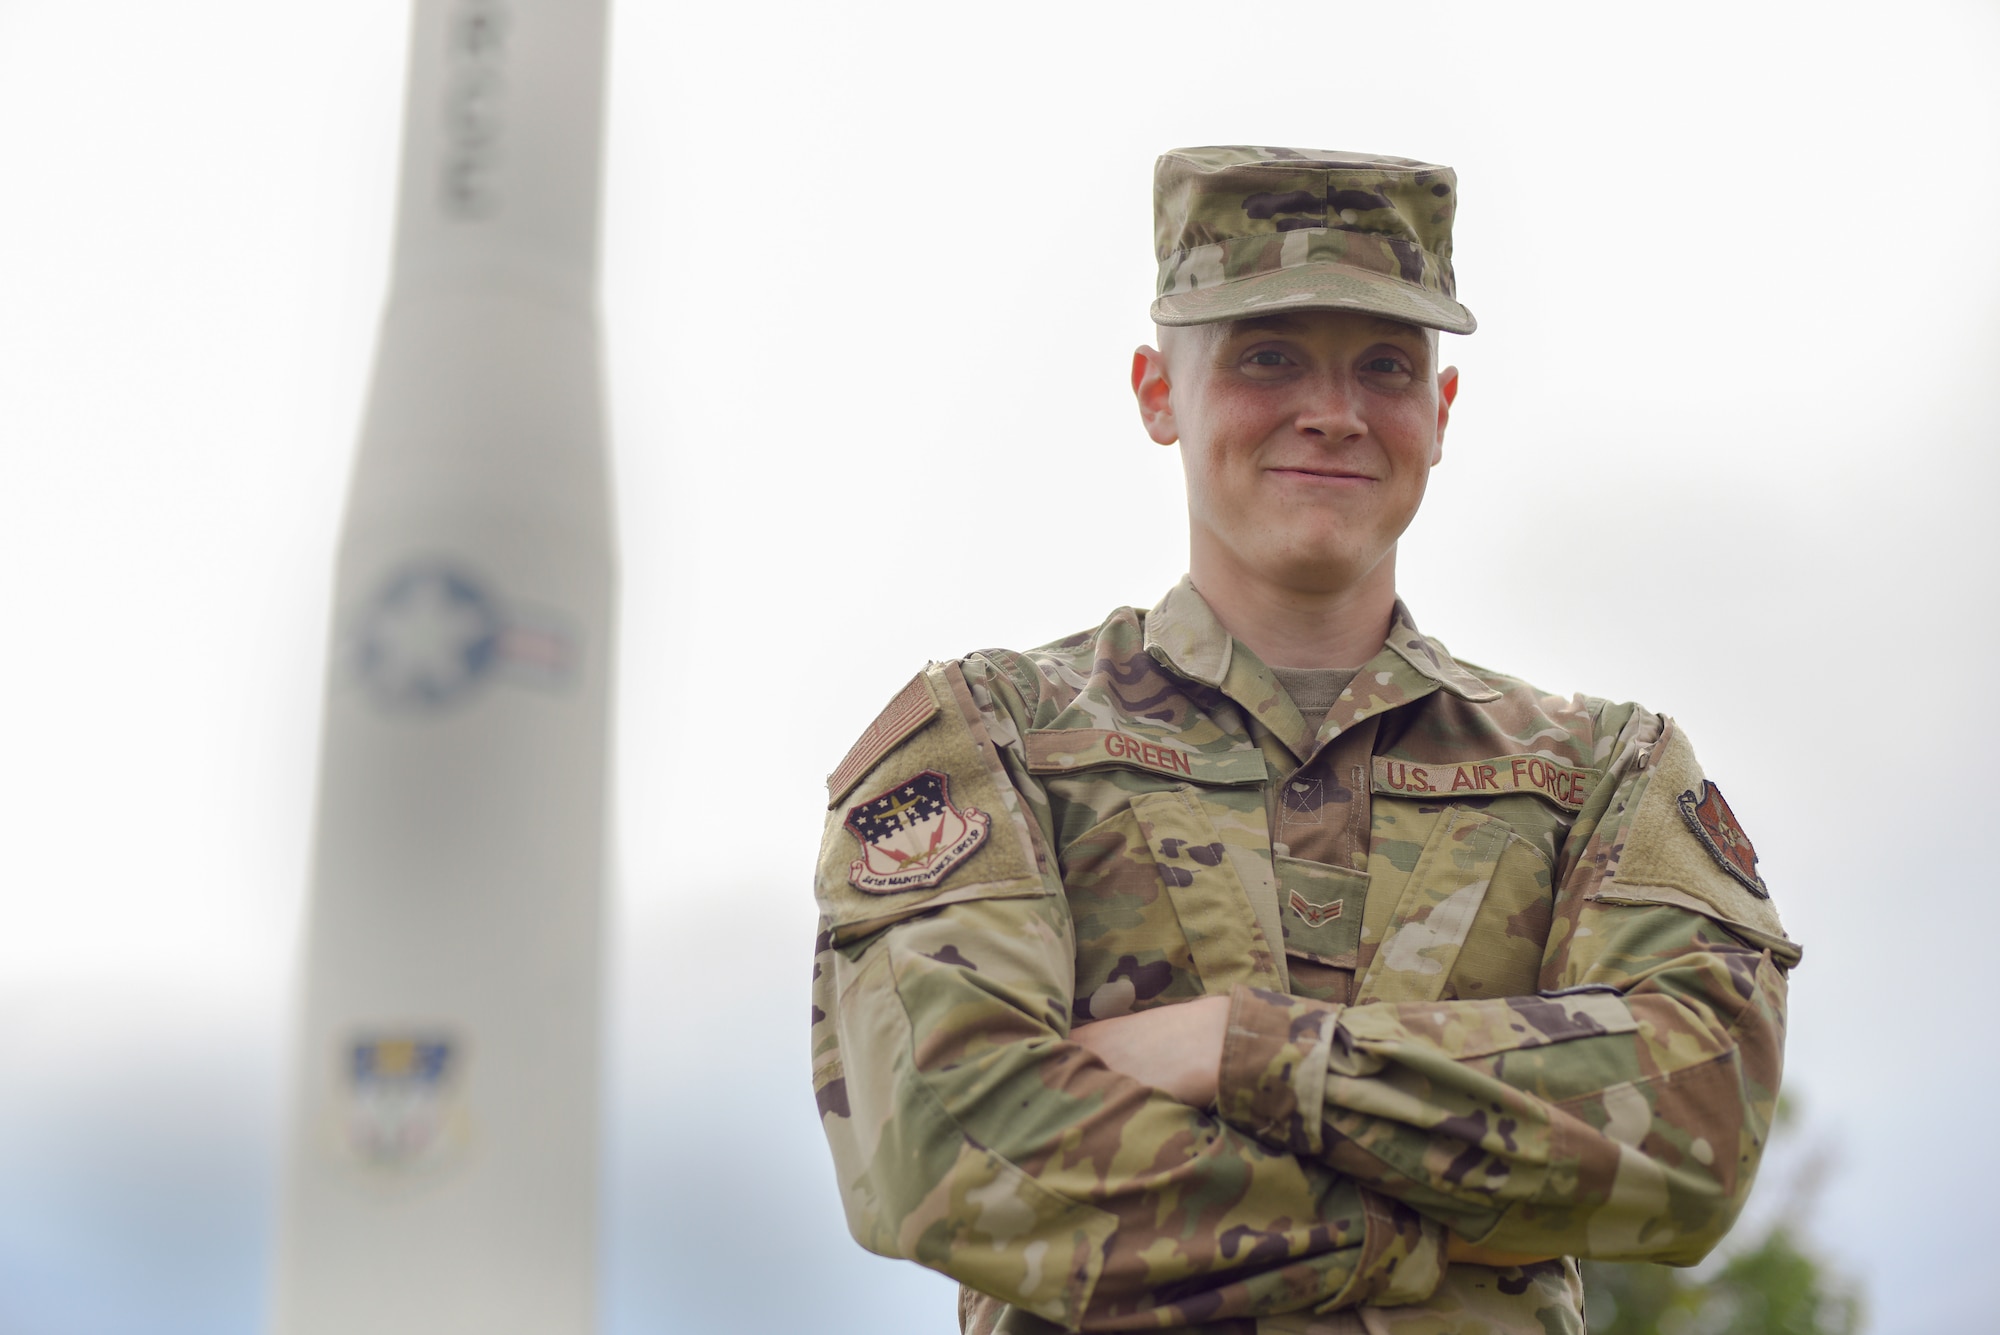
<point x="1773" y="1288"/>
<point x="1770" y="1286"/>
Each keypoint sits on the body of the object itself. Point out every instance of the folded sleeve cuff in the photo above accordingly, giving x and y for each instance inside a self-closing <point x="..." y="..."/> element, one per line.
<point x="1272" y="1082"/>
<point x="1403" y="1257"/>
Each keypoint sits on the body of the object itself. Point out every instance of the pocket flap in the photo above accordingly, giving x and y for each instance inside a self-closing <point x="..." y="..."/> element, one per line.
<point x="1436" y="910"/>
<point x="1787" y="952"/>
<point x="1664" y="860"/>
<point x="1195" y="866"/>
<point x="1059" y="750"/>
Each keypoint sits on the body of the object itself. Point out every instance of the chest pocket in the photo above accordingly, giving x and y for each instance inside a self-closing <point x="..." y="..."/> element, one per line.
<point x="1464" y="907"/>
<point x="1157" y="887"/>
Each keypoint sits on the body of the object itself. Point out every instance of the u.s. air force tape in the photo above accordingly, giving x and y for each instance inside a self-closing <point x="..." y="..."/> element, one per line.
<point x="1565" y="785"/>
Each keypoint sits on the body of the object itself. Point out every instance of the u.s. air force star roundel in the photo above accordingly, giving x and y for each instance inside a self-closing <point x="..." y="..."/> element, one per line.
<point x="912" y="836"/>
<point x="1715" y="825"/>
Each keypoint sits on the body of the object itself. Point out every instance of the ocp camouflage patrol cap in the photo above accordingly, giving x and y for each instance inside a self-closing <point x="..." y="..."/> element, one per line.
<point x="1243" y="231"/>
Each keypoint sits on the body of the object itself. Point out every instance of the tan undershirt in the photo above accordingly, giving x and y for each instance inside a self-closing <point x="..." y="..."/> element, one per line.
<point x="1314" y="690"/>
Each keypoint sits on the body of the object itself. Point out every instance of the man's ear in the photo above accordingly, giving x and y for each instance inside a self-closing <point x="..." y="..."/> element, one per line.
<point x="1155" y="395"/>
<point x="1447" y="394"/>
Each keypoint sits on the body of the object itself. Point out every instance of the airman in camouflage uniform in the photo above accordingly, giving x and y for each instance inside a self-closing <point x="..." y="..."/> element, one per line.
<point x="1502" y="985"/>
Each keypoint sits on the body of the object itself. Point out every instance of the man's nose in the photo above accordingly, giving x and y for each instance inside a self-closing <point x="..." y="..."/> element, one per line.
<point x="1329" y="406"/>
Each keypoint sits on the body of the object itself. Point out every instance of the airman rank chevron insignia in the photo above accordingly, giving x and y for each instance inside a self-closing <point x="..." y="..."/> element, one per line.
<point x="1314" y="915"/>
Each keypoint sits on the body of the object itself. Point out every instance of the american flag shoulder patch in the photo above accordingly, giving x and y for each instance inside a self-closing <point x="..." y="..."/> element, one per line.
<point x="899" y="720"/>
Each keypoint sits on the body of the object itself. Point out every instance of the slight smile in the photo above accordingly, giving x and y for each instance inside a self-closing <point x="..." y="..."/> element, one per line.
<point x="1321" y="475"/>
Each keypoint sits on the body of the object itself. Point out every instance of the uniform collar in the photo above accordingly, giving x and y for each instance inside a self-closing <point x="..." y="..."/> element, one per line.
<point x="1183" y="633"/>
<point x="1432" y="659"/>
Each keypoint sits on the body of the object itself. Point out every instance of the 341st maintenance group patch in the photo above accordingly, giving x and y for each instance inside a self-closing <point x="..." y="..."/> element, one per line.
<point x="912" y="837"/>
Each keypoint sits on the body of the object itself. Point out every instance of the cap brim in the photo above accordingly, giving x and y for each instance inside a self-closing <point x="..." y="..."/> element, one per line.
<point x="1311" y="287"/>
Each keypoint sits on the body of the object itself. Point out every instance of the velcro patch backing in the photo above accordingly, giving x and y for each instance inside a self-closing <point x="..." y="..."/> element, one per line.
<point x="1662" y="849"/>
<point x="917" y="843"/>
<point x="912" y="708"/>
<point x="1565" y="785"/>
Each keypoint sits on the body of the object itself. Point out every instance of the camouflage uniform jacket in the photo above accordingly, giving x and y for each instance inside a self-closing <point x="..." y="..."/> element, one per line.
<point x="1500" y="963"/>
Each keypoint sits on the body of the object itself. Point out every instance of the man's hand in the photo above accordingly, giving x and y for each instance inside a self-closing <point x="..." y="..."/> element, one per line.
<point x="1175" y="1048"/>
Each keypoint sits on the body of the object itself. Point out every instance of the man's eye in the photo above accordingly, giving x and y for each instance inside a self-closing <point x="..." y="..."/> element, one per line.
<point x="1266" y="358"/>
<point x="1384" y="366"/>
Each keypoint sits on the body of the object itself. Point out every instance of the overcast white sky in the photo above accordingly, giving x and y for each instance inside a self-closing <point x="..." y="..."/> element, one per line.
<point x="872" y="275"/>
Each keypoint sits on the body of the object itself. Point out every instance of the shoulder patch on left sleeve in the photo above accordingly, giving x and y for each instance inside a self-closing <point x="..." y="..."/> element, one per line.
<point x="1684" y="838"/>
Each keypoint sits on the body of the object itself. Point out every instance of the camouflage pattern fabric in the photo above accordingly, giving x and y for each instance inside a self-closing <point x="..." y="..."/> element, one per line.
<point x="1484" y="977"/>
<point x="1241" y="231"/>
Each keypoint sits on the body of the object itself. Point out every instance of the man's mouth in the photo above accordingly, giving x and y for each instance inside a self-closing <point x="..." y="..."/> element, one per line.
<point x="1322" y="474"/>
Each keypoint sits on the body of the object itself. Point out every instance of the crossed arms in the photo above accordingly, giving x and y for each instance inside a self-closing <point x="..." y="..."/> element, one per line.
<point x="1619" y="1114"/>
<point x="1178" y="1049"/>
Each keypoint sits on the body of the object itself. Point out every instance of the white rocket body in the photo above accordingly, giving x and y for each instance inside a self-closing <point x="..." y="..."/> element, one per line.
<point x="444" y="1150"/>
